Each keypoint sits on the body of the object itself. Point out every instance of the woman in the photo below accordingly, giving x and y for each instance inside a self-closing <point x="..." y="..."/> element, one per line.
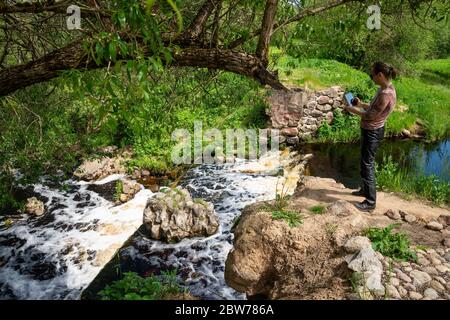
<point x="373" y="117"/>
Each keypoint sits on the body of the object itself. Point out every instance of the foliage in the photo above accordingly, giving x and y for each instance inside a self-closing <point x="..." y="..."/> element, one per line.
<point x="391" y="177"/>
<point x="279" y="211"/>
<point x="118" y="190"/>
<point x="292" y="218"/>
<point x="317" y="209"/>
<point x="134" y="287"/>
<point x="424" y="92"/>
<point x="394" y="245"/>
<point x="345" y="128"/>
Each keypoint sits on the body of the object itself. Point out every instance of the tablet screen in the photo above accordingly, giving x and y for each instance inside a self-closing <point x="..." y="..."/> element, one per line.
<point x="349" y="98"/>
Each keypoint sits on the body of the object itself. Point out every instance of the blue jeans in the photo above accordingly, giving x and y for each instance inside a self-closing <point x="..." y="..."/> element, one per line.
<point x="370" y="141"/>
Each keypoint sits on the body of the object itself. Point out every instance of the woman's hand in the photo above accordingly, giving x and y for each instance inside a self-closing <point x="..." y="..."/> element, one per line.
<point x="355" y="101"/>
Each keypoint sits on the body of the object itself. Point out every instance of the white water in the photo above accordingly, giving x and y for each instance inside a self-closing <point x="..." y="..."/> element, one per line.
<point x="57" y="255"/>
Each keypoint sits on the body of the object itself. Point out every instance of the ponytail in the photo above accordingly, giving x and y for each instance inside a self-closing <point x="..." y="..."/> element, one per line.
<point x="389" y="71"/>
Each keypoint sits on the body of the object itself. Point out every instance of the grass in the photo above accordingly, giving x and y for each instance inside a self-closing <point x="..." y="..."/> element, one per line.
<point x="317" y="209"/>
<point x="426" y="94"/>
<point x="135" y="287"/>
<point x="391" y="177"/>
<point x="394" y="245"/>
<point x="118" y="190"/>
<point x="292" y="218"/>
<point x="279" y="211"/>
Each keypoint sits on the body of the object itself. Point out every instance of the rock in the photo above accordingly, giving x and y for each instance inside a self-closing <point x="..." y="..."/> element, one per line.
<point x="316" y="113"/>
<point x="329" y="117"/>
<point x="306" y="157"/>
<point x="393" y="214"/>
<point x="34" y="206"/>
<point x="440" y="280"/>
<point x="395" y="282"/>
<point x="285" y="108"/>
<point x="341" y="208"/>
<point x="431" y="294"/>
<point x="410" y="218"/>
<point x="173" y="215"/>
<point x="323" y="100"/>
<point x="442" y="268"/>
<point x="356" y="244"/>
<point x="292" y="140"/>
<point x="423" y="261"/>
<point x="290" y="132"/>
<point x="136" y="174"/>
<point x="415" y="296"/>
<point x="367" y="263"/>
<point x="402" y="291"/>
<point x="447" y="256"/>
<point x="436" y="285"/>
<point x="325" y="108"/>
<point x="446" y="243"/>
<point x="408" y="269"/>
<point x="311" y="104"/>
<point x="123" y="197"/>
<point x="434" y="225"/>
<point x="99" y="168"/>
<point x="145" y="173"/>
<point x="444" y="219"/>
<point x="435" y="261"/>
<point x="420" y="278"/>
<point x="406" y="133"/>
<point x="392" y="292"/>
<point x="430" y="270"/>
<point x="410" y="287"/>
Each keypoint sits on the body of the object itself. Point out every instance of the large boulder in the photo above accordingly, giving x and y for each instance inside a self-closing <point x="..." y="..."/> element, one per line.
<point x="273" y="260"/>
<point x="173" y="215"/>
<point x="99" y="168"/>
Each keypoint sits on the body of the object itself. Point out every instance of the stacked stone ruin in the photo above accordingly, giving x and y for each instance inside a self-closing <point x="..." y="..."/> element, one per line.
<point x="299" y="114"/>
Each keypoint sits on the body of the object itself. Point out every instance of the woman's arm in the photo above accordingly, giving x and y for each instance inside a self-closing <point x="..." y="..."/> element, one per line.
<point x="371" y="113"/>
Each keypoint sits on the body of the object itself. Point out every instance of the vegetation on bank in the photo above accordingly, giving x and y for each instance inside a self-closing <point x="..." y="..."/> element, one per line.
<point x="424" y="93"/>
<point x="391" y="177"/>
<point x="135" y="287"/>
<point x="394" y="245"/>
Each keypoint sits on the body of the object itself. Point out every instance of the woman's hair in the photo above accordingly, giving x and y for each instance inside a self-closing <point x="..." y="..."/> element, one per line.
<point x="389" y="71"/>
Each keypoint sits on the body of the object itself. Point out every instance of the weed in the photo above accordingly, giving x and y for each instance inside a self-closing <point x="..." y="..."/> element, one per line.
<point x="119" y="190"/>
<point x="394" y="245"/>
<point x="135" y="287"/>
<point x="317" y="209"/>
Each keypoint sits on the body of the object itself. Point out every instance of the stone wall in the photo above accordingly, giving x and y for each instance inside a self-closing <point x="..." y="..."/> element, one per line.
<point x="298" y="114"/>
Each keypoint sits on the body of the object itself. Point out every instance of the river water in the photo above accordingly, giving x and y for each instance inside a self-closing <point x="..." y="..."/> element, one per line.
<point x="57" y="255"/>
<point x="341" y="161"/>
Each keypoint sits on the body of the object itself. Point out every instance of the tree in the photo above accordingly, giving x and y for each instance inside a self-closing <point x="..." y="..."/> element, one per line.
<point x="232" y="35"/>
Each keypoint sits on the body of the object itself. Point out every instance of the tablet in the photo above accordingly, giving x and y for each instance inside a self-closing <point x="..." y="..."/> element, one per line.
<point x="349" y="98"/>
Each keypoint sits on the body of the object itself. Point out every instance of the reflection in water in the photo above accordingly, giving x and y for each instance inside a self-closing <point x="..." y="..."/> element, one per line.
<point x="341" y="161"/>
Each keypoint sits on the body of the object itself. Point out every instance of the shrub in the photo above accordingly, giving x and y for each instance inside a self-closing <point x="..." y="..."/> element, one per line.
<point x="394" y="245"/>
<point x="134" y="287"/>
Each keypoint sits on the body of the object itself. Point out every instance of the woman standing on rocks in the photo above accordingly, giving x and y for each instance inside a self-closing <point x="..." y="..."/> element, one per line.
<point x="373" y="117"/>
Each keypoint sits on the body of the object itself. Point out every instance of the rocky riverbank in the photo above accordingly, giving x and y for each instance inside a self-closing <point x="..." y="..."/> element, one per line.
<point x="316" y="259"/>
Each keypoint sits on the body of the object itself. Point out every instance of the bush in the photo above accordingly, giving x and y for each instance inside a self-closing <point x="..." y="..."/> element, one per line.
<point x="394" y="245"/>
<point x="134" y="287"/>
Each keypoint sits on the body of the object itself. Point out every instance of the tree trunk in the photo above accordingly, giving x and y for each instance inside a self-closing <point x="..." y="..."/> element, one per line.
<point x="262" y="50"/>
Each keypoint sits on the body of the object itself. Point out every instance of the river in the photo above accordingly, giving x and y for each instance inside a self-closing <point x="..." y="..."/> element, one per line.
<point x="341" y="161"/>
